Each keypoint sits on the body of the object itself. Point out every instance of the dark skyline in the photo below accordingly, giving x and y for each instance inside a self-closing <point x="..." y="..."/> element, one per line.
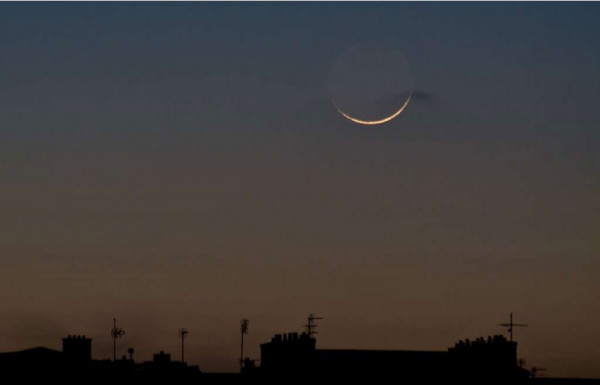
<point x="182" y="165"/>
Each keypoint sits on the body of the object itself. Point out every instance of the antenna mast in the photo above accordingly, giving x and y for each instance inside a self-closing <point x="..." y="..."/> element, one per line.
<point x="116" y="333"/>
<point x="311" y="325"/>
<point x="511" y="325"/>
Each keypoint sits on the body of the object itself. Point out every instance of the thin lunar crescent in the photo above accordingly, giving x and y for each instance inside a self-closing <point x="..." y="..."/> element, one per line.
<point x="374" y="122"/>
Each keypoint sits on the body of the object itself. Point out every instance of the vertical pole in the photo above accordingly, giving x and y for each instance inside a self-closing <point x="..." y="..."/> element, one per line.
<point x="511" y="327"/>
<point x="116" y="333"/>
<point x="242" y="354"/>
<point x="114" y="339"/>
<point x="243" y="330"/>
<point x="183" y="332"/>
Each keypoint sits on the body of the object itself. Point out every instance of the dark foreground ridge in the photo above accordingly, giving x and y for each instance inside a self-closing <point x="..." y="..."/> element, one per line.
<point x="287" y="358"/>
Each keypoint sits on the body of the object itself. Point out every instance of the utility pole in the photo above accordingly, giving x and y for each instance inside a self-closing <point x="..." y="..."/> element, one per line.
<point x="243" y="330"/>
<point x="511" y="325"/>
<point x="116" y="333"/>
<point x="182" y="333"/>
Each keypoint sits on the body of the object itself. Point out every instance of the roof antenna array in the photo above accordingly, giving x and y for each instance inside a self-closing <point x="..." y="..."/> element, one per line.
<point x="115" y="333"/>
<point x="511" y="325"/>
<point x="311" y="325"/>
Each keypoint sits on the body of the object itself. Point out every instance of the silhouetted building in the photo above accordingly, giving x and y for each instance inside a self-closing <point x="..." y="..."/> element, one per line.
<point x="32" y="362"/>
<point x="480" y="357"/>
<point x="75" y="364"/>
<point x="77" y="348"/>
<point x="161" y="358"/>
<point x="291" y="353"/>
<point x="286" y="358"/>
<point x="297" y="356"/>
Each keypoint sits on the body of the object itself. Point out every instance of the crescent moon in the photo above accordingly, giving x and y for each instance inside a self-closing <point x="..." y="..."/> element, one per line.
<point x="374" y="122"/>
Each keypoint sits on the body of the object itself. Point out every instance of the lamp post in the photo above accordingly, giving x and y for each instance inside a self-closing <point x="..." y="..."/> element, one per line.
<point x="182" y="333"/>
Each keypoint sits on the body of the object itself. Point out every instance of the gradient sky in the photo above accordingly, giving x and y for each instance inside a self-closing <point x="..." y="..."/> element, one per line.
<point x="182" y="165"/>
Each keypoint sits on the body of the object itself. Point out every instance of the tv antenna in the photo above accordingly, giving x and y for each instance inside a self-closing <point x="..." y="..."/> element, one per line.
<point x="511" y="325"/>
<point x="116" y="333"/>
<point x="311" y="325"/>
<point x="183" y="332"/>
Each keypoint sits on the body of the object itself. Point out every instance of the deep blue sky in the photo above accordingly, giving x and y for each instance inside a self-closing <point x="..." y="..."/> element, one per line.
<point x="182" y="165"/>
